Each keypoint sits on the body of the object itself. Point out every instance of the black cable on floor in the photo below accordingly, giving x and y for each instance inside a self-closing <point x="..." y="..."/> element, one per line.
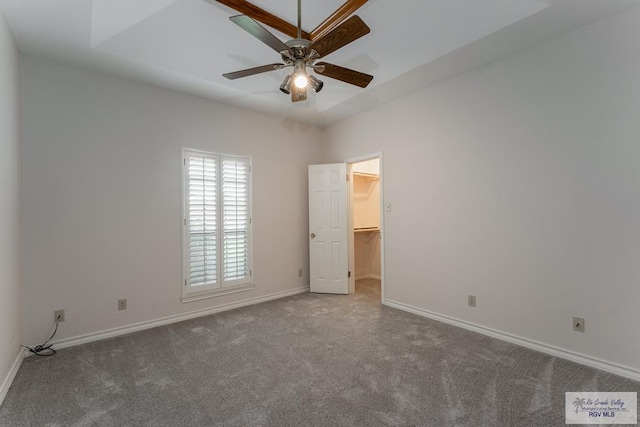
<point x="44" y="349"/>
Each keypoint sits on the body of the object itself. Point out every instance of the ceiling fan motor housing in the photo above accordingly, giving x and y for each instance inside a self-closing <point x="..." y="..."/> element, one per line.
<point x="298" y="48"/>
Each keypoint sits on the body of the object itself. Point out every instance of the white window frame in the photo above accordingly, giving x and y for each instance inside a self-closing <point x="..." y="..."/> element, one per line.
<point x="221" y="287"/>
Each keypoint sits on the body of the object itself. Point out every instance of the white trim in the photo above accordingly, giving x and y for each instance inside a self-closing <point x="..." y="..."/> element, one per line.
<point x="614" y="368"/>
<point x="351" y="240"/>
<point x="194" y="296"/>
<point x="10" y="376"/>
<point x="350" y="162"/>
<point x="123" y="330"/>
<point x="364" y="158"/>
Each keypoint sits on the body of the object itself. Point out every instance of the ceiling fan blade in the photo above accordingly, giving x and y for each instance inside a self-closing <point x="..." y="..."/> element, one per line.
<point x="344" y="74"/>
<point x="336" y="18"/>
<point x="298" y="94"/>
<point x="350" y="30"/>
<point x="261" y="15"/>
<point x="259" y="32"/>
<point x="252" y="71"/>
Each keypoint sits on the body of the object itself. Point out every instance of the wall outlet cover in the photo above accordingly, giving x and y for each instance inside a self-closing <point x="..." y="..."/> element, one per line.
<point x="578" y="324"/>
<point x="472" y="301"/>
<point x="58" y="316"/>
<point x="122" y="304"/>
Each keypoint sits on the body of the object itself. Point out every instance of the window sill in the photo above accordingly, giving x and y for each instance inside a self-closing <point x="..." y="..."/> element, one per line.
<point x="197" y="296"/>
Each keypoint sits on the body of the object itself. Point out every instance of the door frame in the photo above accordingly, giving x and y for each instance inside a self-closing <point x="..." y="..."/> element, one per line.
<point x="351" y="238"/>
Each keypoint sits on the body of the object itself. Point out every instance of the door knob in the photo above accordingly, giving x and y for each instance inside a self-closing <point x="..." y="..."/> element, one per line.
<point x="312" y="235"/>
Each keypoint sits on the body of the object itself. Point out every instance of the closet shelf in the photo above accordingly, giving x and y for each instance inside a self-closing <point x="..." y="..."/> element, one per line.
<point x="367" y="176"/>
<point x="365" y="229"/>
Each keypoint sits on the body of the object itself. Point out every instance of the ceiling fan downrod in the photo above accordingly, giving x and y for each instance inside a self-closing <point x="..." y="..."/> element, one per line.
<point x="299" y="19"/>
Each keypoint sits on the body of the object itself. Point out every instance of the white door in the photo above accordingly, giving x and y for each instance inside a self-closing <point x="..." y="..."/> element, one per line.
<point x="328" y="242"/>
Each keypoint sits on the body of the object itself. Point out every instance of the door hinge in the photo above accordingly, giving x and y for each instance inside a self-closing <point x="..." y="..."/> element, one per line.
<point x="185" y="282"/>
<point x="184" y="162"/>
<point x="347" y="177"/>
<point x="349" y="275"/>
<point x="250" y="272"/>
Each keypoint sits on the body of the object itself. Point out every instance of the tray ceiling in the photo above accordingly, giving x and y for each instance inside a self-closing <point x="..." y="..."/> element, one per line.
<point x="188" y="44"/>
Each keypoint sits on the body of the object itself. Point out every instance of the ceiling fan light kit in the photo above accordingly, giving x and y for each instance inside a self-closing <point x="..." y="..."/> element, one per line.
<point x="316" y="84"/>
<point x="285" y="87"/>
<point x="301" y="53"/>
<point x="301" y="80"/>
<point x="299" y="73"/>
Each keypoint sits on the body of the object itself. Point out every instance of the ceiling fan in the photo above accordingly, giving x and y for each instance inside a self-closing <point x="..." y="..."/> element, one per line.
<point x="304" y="49"/>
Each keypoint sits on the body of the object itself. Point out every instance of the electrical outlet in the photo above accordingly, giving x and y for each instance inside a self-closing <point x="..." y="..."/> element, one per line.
<point x="472" y="300"/>
<point x="58" y="316"/>
<point x="299" y="272"/>
<point x="387" y="207"/>
<point x="122" y="304"/>
<point x="578" y="324"/>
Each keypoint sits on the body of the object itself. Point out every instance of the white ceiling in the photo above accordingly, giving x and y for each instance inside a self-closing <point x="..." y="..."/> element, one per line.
<point x="187" y="45"/>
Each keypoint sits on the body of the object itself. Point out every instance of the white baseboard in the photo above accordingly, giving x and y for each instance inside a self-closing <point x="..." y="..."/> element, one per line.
<point x="123" y="330"/>
<point x="562" y="353"/>
<point x="4" y="388"/>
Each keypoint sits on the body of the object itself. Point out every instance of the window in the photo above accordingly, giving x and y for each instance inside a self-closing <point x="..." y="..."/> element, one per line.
<point x="217" y="224"/>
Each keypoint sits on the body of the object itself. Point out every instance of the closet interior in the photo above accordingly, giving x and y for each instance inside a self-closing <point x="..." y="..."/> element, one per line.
<point x="366" y="219"/>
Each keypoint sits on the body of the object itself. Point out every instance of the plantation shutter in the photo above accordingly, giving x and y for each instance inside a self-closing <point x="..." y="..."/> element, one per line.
<point x="217" y="224"/>
<point x="235" y="177"/>
<point x="202" y="220"/>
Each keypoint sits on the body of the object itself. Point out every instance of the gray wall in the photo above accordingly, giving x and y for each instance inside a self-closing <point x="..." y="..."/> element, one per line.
<point x="516" y="182"/>
<point x="10" y="207"/>
<point x="519" y="182"/>
<point x="102" y="164"/>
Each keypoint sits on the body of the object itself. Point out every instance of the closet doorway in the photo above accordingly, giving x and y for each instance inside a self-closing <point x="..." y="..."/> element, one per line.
<point x="366" y="249"/>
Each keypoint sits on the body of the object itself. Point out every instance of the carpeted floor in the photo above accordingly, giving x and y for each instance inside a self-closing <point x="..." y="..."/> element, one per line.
<point x="319" y="360"/>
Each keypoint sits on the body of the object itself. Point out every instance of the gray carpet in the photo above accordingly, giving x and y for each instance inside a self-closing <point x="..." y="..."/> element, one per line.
<point x="304" y="360"/>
